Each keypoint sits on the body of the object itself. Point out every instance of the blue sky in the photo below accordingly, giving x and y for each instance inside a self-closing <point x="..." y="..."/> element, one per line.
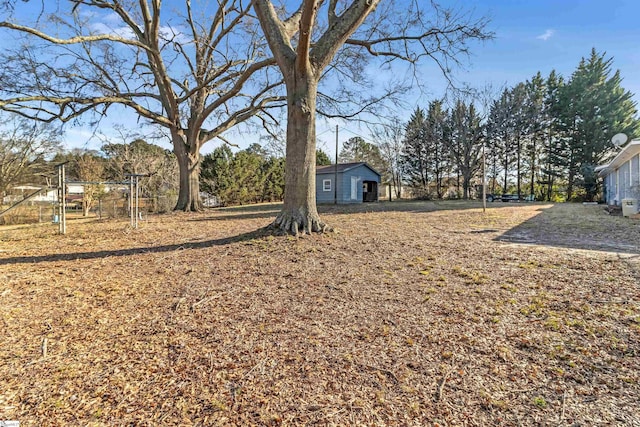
<point x="530" y="36"/>
<point x="543" y="35"/>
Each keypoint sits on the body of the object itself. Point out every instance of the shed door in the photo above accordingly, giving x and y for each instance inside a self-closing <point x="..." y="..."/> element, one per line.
<point x="354" y="188"/>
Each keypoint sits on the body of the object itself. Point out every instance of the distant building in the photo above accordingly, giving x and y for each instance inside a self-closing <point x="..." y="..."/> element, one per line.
<point x="622" y="175"/>
<point x="19" y="192"/>
<point x="356" y="183"/>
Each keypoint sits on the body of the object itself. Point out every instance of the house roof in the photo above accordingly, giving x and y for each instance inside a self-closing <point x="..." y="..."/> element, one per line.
<point x="343" y="167"/>
<point x="630" y="150"/>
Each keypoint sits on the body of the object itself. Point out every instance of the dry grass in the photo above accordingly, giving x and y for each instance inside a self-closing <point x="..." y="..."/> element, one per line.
<point x="411" y="314"/>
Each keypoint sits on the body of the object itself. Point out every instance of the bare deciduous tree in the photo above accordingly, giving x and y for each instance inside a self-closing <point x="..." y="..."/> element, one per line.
<point x="389" y="138"/>
<point x="90" y="170"/>
<point x="305" y="42"/>
<point x="24" y="148"/>
<point x="192" y="70"/>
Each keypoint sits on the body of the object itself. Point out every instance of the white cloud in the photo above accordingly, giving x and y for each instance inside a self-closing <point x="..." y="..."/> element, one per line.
<point x="100" y="28"/>
<point x="546" y="35"/>
<point x="174" y="34"/>
<point x="166" y="32"/>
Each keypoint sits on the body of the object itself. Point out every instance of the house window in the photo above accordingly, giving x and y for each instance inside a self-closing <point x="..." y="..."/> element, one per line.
<point x="326" y="185"/>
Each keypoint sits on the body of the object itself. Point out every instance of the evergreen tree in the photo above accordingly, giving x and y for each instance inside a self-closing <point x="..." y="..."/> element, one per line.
<point x="465" y="142"/>
<point x="502" y="147"/>
<point x="356" y="149"/>
<point x="322" y="158"/>
<point x="215" y="174"/>
<point x="248" y="176"/>
<point x="594" y="107"/>
<point x="272" y="171"/>
<point x="555" y="157"/>
<point x="535" y="116"/>
<point x="415" y="156"/>
<point x="437" y="155"/>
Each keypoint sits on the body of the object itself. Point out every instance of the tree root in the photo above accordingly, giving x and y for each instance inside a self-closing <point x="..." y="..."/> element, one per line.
<point x="296" y="223"/>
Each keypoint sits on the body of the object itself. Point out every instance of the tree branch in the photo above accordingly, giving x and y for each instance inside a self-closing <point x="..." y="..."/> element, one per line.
<point x="276" y="33"/>
<point x="343" y="26"/>
<point x="72" y="40"/>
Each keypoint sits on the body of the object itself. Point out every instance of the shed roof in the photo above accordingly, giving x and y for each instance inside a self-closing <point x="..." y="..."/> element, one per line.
<point x="343" y="167"/>
<point x="630" y="150"/>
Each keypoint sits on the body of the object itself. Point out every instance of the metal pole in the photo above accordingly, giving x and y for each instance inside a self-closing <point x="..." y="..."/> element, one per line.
<point x="64" y="200"/>
<point x="62" y="220"/>
<point x="335" y="175"/>
<point x="137" y="201"/>
<point x="131" y="200"/>
<point x="60" y="199"/>
<point x="484" y="181"/>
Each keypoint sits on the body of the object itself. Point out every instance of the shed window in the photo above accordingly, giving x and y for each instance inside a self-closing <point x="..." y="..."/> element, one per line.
<point x="326" y="185"/>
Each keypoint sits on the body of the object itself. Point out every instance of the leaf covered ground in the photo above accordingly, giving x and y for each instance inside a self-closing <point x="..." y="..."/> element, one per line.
<point x="415" y="314"/>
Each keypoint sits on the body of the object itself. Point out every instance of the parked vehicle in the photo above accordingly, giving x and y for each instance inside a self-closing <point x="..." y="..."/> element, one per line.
<point x="510" y="198"/>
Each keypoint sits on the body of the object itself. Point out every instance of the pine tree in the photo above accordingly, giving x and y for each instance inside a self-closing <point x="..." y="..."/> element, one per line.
<point x="436" y="153"/>
<point x="356" y="149"/>
<point x="555" y="157"/>
<point x="535" y="113"/>
<point x="215" y="174"/>
<point x="322" y="158"/>
<point x="465" y="142"/>
<point x="503" y="145"/>
<point x="595" y="107"/>
<point x="414" y="153"/>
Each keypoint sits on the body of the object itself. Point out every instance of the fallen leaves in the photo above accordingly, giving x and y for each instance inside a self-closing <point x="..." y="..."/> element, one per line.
<point x="195" y="321"/>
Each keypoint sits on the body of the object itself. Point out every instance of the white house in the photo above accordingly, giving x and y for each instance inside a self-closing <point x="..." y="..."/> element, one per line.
<point x="20" y="192"/>
<point x="622" y="175"/>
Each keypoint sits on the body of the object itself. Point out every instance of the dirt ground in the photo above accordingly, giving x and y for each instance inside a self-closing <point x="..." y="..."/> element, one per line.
<point x="411" y="313"/>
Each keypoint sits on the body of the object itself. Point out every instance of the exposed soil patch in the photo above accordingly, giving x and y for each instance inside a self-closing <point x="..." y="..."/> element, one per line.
<point x="410" y="314"/>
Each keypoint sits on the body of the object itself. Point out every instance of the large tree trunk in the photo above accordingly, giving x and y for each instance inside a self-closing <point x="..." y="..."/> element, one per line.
<point x="532" y="187"/>
<point x="189" y="167"/>
<point x="299" y="213"/>
<point x="570" y="179"/>
<point x="506" y="174"/>
<point x="466" y="182"/>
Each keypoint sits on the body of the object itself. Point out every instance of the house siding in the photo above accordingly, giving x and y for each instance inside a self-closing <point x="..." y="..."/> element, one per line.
<point x="623" y="182"/>
<point x="359" y="173"/>
<point x="325" y="196"/>
<point x="635" y="177"/>
<point x="610" y="188"/>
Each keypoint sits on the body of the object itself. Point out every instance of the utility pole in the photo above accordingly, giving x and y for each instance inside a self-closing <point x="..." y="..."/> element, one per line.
<point x="484" y="180"/>
<point x="335" y="174"/>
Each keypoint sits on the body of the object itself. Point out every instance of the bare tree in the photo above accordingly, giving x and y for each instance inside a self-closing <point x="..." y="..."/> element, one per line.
<point x="389" y="138"/>
<point x="24" y="148"/>
<point x="140" y="157"/>
<point x="90" y="169"/>
<point x="305" y="42"/>
<point x="195" y="71"/>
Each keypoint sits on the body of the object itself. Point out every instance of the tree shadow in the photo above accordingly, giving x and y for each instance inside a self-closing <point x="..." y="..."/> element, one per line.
<point x="265" y="211"/>
<point x="573" y="226"/>
<point x="256" y="234"/>
<point x="238" y="216"/>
